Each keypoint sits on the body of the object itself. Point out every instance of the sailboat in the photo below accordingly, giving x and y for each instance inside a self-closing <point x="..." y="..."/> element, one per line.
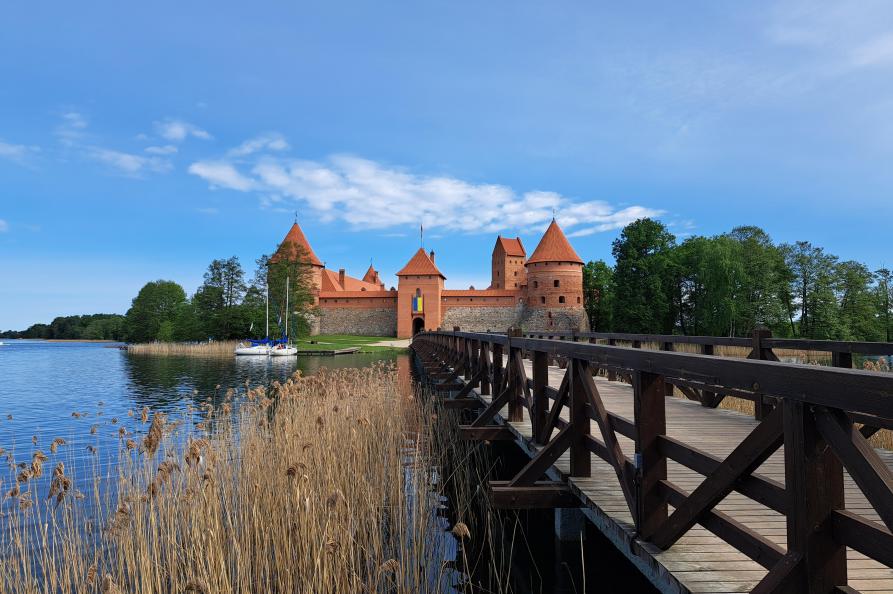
<point x="282" y="348"/>
<point x="258" y="347"/>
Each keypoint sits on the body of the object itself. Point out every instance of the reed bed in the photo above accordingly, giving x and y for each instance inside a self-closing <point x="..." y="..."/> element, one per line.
<point x="214" y="348"/>
<point x="324" y="483"/>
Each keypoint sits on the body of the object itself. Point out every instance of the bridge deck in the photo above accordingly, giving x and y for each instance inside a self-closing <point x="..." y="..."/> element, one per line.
<point x="699" y="561"/>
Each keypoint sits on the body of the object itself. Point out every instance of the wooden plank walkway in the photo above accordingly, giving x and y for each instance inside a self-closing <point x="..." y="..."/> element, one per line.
<point x="699" y="561"/>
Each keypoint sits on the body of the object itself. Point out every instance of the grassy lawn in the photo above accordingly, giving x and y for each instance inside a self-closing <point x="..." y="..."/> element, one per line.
<point x="326" y="342"/>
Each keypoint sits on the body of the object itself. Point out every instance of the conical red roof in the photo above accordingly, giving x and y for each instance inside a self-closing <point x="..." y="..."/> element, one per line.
<point x="554" y="247"/>
<point x="288" y="249"/>
<point x="420" y="264"/>
<point x="371" y="275"/>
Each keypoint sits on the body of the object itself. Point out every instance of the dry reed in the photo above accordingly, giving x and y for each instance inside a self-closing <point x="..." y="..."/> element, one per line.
<point x="198" y="349"/>
<point x="325" y="483"/>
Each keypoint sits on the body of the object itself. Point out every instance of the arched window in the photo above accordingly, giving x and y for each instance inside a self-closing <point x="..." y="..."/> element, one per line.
<point x="543" y="299"/>
<point x="556" y="283"/>
<point x="560" y="298"/>
<point x="536" y="284"/>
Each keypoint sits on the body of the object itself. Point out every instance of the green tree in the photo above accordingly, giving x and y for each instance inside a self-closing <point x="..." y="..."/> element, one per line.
<point x="708" y="275"/>
<point x="297" y="274"/>
<point x="643" y="283"/>
<point x="156" y="303"/>
<point x="857" y="316"/>
<point x="884" y="290"/>
<point x="220" y="297"/>
<point x="598" y="295"/>
<point x="763" y="298"/>
<point x="813" y="289"/>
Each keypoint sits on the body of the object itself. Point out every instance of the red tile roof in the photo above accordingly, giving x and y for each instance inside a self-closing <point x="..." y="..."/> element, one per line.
<point x="331" y="281"/>
<point x="289" y="251"/>
<point x="420" y="264"/>
<point x="512" y="247"/>
<point x="371" y="275"/>
<point x="554" y="247"/>
<point x="478" y="293"/>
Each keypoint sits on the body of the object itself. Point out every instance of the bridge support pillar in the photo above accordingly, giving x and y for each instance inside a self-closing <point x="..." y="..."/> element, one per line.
<point x="570" y="524"/>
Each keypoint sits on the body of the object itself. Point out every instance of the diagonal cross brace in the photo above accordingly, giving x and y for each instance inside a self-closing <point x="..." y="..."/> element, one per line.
<point x="762" y="442"/>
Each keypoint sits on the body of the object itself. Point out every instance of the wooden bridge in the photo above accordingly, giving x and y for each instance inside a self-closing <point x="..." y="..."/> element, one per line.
<point x="699" y="499"/>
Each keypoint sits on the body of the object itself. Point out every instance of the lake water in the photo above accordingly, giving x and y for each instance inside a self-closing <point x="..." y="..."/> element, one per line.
<point x="85" y="393"/>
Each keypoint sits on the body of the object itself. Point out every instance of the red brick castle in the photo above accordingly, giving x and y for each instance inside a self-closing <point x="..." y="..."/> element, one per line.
<point x="543" y="292"/>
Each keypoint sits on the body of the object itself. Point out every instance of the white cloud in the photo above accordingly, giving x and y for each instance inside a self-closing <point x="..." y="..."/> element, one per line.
<point x="4" y="226"/>
<point x="272" y="142"/>
<point x="178" y="130"/>
<point x="222" y="175"/>
<point x="71" y="129"/>
<point x="16" y="152"/>
<point x="128" y="163"/>
<point x="167" y="149"/>
<point x="368" y="195"/>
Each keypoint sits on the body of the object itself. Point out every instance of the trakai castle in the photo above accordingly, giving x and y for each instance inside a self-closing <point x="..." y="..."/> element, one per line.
<point x="542" y="292"/>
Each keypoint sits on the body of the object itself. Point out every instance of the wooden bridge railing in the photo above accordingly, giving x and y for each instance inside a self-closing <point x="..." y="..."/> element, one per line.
<point x="761" y="346"/>
<point x="822" y="415"/>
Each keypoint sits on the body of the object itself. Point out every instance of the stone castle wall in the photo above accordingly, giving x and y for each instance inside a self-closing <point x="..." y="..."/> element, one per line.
<point x="564" y="319"/>
<point x="364" y="322"/>
<point x="481" y="319"/>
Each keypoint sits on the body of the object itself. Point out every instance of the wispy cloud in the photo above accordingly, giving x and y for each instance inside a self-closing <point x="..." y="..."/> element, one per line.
<point x="369" y="195"/>
<point x="178" y="130"/>
<point x="167" y="149"/>
<point x="16" y="152"/>
<point x="71" y="130"/>
<point x="222" y="175"/>
<point x="128" y="163"/>
<point x="4" y="226"/>
<point x="272" y="141"/>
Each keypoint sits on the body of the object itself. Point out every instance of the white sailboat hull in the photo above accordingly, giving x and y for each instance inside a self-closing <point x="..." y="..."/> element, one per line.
<point x="284" y="352"/>
<point x="260" y="349"/>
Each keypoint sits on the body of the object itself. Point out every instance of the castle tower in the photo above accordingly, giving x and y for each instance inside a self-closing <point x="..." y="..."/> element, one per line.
<point x="419" y="295"/>
<point x="295" y="246"/>
<point x="555" y="283"/>
<point x="508" y="270"/>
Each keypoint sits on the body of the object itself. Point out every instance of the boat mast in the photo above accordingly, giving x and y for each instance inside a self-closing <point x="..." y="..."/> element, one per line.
<point x="287" y="280"/>
<point x="267" y="329"/>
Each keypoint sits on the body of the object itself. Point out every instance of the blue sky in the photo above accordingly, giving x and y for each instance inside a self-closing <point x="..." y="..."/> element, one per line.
<point x="140" y="140"/>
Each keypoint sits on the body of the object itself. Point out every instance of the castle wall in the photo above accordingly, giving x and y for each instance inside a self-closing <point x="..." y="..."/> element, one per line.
<point x="362" y="321"/>
<point x="480" y="318"/>
<point x="564" y="319"/>
<point x="364" y="313"/>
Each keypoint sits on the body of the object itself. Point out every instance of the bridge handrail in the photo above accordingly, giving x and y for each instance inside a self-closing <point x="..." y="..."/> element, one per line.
<point x="822" y="415"/>
<point x="830" y="346"/>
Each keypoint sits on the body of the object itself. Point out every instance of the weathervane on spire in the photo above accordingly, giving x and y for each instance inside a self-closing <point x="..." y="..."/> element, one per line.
<point x="421" y="235"/>
<point x="296" y="217"/>
<point x="553" y="213"/>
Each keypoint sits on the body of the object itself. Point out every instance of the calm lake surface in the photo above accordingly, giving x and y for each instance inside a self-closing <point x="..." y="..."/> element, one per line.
<point x="85" y="392"/>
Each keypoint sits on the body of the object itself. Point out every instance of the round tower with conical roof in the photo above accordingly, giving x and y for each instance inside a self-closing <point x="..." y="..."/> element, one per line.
<point x="555" y="284"/>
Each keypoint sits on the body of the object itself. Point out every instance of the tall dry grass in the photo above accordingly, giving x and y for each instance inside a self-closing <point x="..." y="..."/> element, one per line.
<point x="200" y="349"/>
<point x="324" y="483"/>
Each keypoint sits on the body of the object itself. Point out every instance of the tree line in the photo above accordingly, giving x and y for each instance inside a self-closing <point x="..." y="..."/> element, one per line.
<point x="227" y="305"/>
<point x="728" y="284"/>
<point x="88" y="327"/>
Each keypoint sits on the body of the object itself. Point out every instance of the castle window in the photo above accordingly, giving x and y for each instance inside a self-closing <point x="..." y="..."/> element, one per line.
<point x="556" y="283"/>
<point x="536" y="284"/>
<point x="560" y="298"/>
<point x="578" y="300"/>
<point x="543" y="299"/>
<point x="516" y="273"/>
<point x="516" y="285"/>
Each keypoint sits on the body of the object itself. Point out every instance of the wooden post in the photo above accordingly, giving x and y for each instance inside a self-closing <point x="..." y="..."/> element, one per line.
<point x="707" y="398"/>
<point x="651" y="464"/>
<point x="485" y="365"/>
<point x="474" y="357"/>
<point x="759" y="351"/>
<point x="516" y="408"/>
<point x="497" y="367"/>
<point x="612" y="375"/>
<point x="814" y="488"/>
<point x="844" y="360"/>
<point x="466" y="353"/>
<point x="540" y="398"/>
<point x="580" y="458"/>
<point x="668" y="346"/>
